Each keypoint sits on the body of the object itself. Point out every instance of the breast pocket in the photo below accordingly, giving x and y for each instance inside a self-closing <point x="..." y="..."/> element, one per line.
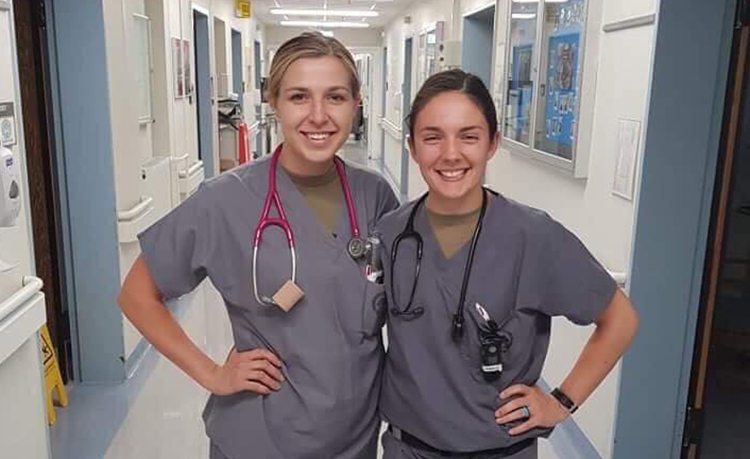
<point x="374" y="309"/>
<point x="481" y="342"/>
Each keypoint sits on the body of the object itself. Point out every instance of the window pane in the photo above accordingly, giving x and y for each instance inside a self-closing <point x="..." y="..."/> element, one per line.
<point x="557" y="112"/>
<point x="520" y="71"/>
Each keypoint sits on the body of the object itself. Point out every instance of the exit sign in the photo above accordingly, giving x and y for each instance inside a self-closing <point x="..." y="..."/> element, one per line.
<point x="242" y="9"/>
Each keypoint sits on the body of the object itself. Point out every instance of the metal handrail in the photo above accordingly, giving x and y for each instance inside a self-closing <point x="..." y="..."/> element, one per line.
<point x="31" y="286"/>
<point x="136" y="211"/>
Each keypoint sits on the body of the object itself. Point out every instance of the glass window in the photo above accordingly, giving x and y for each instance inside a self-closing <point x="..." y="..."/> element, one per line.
<point x="557" y="105"/>
<point x="520" y="84"/>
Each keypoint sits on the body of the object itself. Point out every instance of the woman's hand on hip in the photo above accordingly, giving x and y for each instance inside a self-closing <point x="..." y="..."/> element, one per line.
<point x="531" y="405"/>
<point x="255" y="371"/>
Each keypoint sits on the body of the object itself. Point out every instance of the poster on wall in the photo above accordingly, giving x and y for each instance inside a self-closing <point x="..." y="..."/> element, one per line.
<point x="562" y="94"/>
<point x="628" y="139"/>
<point x="188" y="85"/>
<point x="177" y="69"/>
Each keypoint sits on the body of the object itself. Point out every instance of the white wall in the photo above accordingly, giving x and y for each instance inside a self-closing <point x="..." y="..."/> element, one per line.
<point x="603" y="221"/>
<point x="132" y="143"/>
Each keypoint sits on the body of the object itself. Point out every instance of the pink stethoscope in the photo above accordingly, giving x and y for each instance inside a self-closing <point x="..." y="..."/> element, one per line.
<point x="356" y="246"/>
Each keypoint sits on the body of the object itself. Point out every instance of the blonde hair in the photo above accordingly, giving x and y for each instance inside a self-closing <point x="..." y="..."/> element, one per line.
<point x="309" y="45"/>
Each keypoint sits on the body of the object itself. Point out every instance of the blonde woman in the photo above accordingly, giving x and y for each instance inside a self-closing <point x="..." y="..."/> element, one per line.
<point x="283" y="240"/>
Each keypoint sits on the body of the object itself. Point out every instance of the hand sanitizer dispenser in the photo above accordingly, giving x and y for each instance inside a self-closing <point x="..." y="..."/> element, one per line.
<point x="10" y="187"/>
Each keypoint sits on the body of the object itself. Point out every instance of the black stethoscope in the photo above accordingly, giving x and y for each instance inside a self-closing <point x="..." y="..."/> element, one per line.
<point x="457" y="330"/>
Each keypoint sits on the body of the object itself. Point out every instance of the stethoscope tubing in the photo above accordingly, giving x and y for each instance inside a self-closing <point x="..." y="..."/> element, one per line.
<point x="272" y="197"/>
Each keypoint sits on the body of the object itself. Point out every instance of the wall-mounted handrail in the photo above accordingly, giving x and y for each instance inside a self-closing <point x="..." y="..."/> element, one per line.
<point x="135" y="211"/>
<point x="177" y="159"/>
<point x="192" y="170"/>
<point x="391" y="128"/>
<point x="630" y="23"/>
<point x="31" y="286"/>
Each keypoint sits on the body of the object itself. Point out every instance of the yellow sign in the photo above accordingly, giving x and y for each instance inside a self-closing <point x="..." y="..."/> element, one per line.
<point x="52" y="377"/>
<point x="242" y="9"/>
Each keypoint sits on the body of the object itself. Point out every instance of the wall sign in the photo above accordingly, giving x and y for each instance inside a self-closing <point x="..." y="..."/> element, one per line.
<point x="242" y="9"/>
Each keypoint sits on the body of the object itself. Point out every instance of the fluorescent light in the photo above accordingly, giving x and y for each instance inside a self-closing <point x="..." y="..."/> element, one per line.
<point x="523" y="15"/>
<point x="328" y="24"/>
<point x="537" y="1"/>
<point x="337" y="13"/>
<point x="327" y="33"/>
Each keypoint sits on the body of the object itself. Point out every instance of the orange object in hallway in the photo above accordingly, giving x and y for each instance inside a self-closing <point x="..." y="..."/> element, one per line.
<point x="242" y="143"/>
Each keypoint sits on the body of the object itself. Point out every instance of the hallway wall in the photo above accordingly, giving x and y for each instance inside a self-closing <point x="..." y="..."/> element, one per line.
<point x="132" y="141"/>
<point x="604" y="222"/>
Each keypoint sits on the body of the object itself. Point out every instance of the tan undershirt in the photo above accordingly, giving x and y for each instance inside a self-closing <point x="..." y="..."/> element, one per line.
<point x="453" y="231"/>
<point x="323" y="194"/>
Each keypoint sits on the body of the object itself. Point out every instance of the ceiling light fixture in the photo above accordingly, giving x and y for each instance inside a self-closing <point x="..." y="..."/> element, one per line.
<point x="327" y="24"/>
<point x="337" y="13"/>
<point x="523" y="16"/>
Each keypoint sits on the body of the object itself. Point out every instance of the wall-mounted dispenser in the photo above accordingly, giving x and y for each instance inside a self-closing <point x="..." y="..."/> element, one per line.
<point x="10" y="187"/>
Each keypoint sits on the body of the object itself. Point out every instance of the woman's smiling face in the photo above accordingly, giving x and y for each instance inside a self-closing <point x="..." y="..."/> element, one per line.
<point x="315" y="106"/>
<point x="452" y="144"/>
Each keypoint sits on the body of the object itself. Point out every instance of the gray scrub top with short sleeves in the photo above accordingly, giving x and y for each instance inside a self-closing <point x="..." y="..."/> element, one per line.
<point x="330" y="342"/>
<point x="527" y="268"/>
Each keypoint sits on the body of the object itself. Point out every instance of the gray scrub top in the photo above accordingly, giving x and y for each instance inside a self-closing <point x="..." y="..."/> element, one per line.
<point x="330" y="342"/>
<point x="527" y="268"/>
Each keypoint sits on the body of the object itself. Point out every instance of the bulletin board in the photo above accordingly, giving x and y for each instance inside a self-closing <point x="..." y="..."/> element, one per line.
<point x="562" y="89"/>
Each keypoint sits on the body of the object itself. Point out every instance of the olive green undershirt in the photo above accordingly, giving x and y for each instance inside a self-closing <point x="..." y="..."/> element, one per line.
<point x="453" y="231"/>
<point x="323" y="194"/>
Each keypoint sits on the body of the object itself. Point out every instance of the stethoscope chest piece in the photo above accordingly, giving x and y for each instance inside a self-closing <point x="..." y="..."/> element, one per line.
<point x="357" y="247"/>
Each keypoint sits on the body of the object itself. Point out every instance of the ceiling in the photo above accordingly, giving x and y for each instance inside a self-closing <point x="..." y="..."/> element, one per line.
<point x="388" y="9"/>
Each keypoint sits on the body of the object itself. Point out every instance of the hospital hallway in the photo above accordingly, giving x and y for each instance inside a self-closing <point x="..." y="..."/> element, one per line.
<point x="625" y="121"/>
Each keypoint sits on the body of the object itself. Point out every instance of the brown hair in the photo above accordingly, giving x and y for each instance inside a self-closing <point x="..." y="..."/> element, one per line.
<point x="459" y="81"/>
<point x="307" y="45"/>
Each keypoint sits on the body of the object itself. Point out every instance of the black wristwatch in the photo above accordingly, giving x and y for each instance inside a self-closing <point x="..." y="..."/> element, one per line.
<point x="564" y="400"/>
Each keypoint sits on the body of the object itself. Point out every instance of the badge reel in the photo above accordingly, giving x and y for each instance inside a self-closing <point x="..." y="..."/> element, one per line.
<point x="493" y="344"/>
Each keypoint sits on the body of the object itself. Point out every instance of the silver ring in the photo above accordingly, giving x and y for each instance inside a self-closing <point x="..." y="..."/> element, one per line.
<point x="526" y="412"/>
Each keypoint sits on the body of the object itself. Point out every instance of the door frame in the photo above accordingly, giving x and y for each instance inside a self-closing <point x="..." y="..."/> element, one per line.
<point x="210" y="160"/>
<point x="469" y="16"/>
<point x="667" y="261"/>
<point x="736" y="95"/>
